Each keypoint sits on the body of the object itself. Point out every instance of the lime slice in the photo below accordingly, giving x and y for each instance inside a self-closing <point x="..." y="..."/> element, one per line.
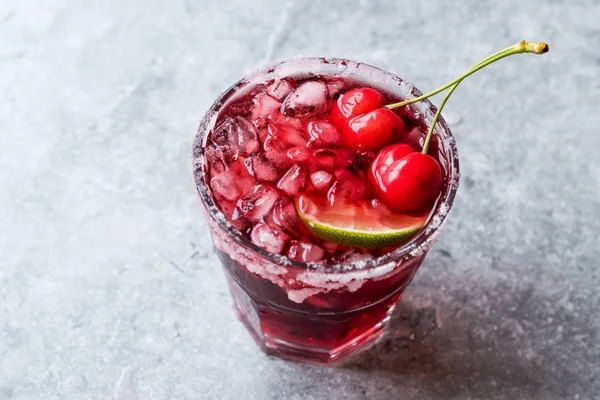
<point x="357" y="224"/>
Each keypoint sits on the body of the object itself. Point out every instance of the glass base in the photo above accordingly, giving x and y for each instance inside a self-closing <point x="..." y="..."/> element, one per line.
<point x="313" y="338"/>
<point x="312" y="354"/>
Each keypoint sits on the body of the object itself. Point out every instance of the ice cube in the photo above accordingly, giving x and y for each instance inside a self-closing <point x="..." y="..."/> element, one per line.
<point x="256" y="205"/>
<point x="339" y="193"/>
<point x="271" y="239"/>
<point x="227" y="207"/>
<point x="232" y="183"/>
<point x="347" y="188"/>
<point x="291" y="136"/>
<point x="260" y="124"/>
<point x="263" y="133"/>
<point x="279" y="159"/>
<point x="281" y="138"/>
<point x="289" y="122"/>
<point x="323" y="133"/>
<point x="334" y="87"/>
<point x="247" y="162"/>
<point x="265" y="107"/>
<point x="273" y="144"/>
<point x="224" y="185"/>
<point x="264" y="169"/>
<point x="216" y="161"/>
<point x="237" y="135"/>
<point x="293" y="181"/>
<point x="321" y="179"/>
<point x="298" y="154"/>
<point x="243" y="108"/>
<point x="280" y="89"/>
<point x="245" y="184"/>
<point x="308" y="98"/>
<point x="284" y="216"/>
<point x="305" y="252"/>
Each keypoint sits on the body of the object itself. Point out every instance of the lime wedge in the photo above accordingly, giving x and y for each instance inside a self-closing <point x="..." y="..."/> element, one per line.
<point x="357" y="224"/>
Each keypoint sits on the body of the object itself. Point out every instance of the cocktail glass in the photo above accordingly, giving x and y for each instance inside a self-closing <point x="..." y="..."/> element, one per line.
<point x="311" y="312"/>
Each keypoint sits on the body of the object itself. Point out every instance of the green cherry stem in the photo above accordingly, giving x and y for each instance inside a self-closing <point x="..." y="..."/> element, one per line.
<point x="436" y="117"/>
<point x="452" y="89"/>
<point x="521" y="47"/>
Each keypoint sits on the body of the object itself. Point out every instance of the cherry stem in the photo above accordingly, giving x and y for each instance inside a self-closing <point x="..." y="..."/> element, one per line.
<point x="443" y="103"/>
<point x="519" y="48"/>
<point x="436" y="117"/>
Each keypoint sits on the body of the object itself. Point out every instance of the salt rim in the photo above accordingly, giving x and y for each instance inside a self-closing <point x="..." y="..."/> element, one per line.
<point x="273" y="266"/>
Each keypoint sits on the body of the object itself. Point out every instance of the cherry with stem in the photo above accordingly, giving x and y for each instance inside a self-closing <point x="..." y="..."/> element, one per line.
<point x="406" y="180"/>
<point x="519" y="48"/>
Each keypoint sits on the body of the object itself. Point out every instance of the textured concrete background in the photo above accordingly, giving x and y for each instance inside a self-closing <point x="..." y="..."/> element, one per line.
<point x="109" y="288"/>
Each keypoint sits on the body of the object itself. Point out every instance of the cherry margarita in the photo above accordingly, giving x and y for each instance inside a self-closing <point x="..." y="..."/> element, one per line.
<point x="279" y="134"/>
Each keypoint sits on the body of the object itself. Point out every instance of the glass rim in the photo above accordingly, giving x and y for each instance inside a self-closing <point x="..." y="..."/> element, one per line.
<point x="408" y="250"/>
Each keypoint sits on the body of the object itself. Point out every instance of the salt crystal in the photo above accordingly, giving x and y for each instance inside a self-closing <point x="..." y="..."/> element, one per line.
<point x="298" y="296"/>
<point x="355" y="285"/>
<point x="359" y="259"/>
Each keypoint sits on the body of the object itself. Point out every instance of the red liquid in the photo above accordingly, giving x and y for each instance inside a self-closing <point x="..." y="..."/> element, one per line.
<point x="268" y="146"/>
<point x="324" y="326"/>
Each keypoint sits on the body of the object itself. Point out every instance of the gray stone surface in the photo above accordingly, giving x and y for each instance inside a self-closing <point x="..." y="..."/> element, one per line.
<point x="109" y="288"/>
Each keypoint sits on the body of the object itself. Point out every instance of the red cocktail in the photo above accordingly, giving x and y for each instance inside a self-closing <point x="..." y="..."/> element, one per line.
<point x="274" y="168"/>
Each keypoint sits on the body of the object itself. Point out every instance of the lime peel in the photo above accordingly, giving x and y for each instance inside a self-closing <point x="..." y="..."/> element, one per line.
<point x="357" y="224"/>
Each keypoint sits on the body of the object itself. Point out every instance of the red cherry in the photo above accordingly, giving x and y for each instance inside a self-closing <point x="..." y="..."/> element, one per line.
<point x="357" y="101"/>
<point x="405" y="180"/>
<point x="373" y="130"/>
<point x="364" y="124"/>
